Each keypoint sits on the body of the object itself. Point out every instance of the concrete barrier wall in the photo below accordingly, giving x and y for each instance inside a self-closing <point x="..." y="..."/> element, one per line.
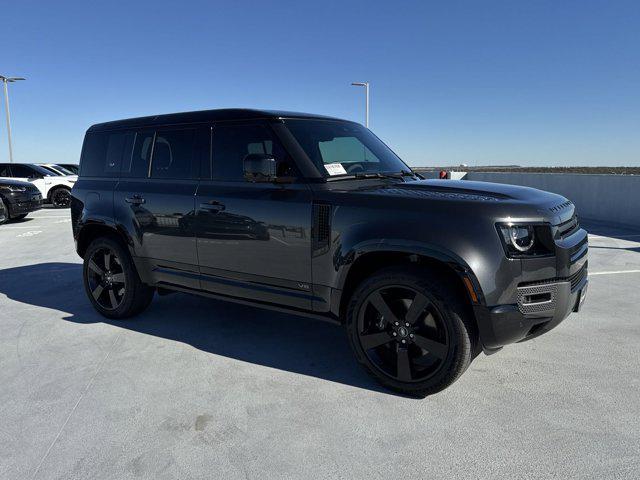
<point x="607" y="198"/>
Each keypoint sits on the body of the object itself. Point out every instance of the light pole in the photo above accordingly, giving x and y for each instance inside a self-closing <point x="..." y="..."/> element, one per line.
<point x="366" y="90"/>
<point x="5" y="82"/>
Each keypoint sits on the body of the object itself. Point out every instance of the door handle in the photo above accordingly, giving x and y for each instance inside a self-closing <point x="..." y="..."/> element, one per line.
<point x="212" y="206"/>
<point x="135" y="200"/>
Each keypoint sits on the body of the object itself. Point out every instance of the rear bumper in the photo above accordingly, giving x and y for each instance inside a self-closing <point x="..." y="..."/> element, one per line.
<point x="540" y="308"/>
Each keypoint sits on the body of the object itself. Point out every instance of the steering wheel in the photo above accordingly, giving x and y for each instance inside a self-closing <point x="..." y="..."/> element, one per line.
<point x="355" y="168"/>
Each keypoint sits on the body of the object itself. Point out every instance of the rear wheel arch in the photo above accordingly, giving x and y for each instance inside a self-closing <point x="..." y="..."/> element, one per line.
<point x="91" y="231"/>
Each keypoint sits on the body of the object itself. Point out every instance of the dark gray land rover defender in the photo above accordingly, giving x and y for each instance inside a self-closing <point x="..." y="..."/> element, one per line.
<point x="316" y="216"/>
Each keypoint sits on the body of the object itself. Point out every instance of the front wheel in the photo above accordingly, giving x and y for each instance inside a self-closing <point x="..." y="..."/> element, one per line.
<point x="111" y="280"/>
<point x="411" y="332"/>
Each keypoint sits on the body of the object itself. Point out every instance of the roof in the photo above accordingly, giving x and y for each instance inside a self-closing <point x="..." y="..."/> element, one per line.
<point x="202" y="116"/>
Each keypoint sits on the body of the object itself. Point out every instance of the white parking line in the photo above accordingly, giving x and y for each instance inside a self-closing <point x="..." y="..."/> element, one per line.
<point x="614" y="236"/>
<point x="12" y="227"/>
<point x="615" y="272"/>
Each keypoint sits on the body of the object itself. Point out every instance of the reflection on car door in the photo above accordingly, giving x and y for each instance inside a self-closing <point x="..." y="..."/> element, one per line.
<point x="155" y="198"/>
<point x="253" y="238"/>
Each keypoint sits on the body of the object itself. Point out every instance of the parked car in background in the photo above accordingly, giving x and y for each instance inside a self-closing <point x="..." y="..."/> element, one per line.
<point x="317" y="216"/>
<point x="18" y="199"/>
<point x="54" y="188"/>
<point x="58" y="169"/>
<point x="4" y="213"/>
<point x="72" y="167"/>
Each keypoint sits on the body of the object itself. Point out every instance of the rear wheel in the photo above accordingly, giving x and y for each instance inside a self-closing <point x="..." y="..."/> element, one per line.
<point x="111" y="280"/>
<point x="411" y="332"/>
<point x="60" y="197"/>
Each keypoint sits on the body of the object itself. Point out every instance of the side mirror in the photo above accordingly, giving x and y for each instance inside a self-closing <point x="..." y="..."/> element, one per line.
<point x="36" y="176"/>
<point x="260" y="167"/>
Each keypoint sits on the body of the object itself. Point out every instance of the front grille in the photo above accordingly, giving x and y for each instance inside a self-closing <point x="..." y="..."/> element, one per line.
<point x="577" y="277"/>
<point x="567" y="228"/>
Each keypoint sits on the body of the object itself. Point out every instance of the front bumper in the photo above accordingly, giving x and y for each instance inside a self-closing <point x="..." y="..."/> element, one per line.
<point x="19" y="205"/>
<point x="539" y="303"/>
<point x="505" y="324"/>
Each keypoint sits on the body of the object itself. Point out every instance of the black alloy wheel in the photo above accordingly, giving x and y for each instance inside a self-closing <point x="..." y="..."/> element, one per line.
<point x="412" y="329"/>
<point x="402" y="333"/>
<point x="61" y="198"/>
<point x="106" y="279"/>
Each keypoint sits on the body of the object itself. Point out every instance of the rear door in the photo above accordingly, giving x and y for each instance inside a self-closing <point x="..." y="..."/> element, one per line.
<point x="253" y="238"/>
<point x="155" y="201"/>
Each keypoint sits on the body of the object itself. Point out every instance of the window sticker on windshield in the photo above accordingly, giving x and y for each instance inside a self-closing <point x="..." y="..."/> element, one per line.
<point x="335" y="169"/>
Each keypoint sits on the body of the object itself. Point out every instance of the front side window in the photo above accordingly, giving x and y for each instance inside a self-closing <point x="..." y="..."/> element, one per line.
<point x="4" y="170"/>
<point x="339" y="148"/>
<point x="173" y="154"/>
<point x="232" y="143"/>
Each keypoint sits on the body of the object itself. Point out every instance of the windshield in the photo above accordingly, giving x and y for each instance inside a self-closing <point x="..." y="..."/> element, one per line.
<point x="49" y="170"/>
<point x="344" y="148"/>
<point x="63" y="170"/>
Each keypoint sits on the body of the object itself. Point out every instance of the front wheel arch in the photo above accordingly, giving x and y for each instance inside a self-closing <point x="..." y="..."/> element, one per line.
<point x="367" y="263"/>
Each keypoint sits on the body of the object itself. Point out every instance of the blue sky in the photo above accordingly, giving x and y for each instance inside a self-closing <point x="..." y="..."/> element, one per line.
<point x="477" y="82"/>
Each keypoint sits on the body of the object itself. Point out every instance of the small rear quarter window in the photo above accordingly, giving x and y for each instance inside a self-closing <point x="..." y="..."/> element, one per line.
<point x="103" y="152"/>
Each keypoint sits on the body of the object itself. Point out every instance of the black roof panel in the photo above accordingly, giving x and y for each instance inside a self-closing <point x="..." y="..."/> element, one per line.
<point x="205" y="116"/>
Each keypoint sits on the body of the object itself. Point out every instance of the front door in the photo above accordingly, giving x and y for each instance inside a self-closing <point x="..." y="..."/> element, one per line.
<point x="253" y="238"/>
<point x="155" y="199"/>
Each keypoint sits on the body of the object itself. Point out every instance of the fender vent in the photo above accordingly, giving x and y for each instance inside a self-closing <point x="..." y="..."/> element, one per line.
<point x="321" y="229"/>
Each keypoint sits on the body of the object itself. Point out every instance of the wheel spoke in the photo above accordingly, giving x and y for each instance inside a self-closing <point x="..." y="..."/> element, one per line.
<point x="419" y="303"/>
<point x="403" y="365"/>
<point x="373" y="340"/>
<point x="383" y="309"/>
<point x="97" y="292"/>
<point x="118" y="278"/>
<point x="107" y="260"/>
<point x="437" y="349"/>
<point x="95" y="268"/>
<point x="112" y="298"/>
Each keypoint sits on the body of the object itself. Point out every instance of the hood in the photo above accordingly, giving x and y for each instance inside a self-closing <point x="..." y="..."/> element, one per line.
<point x="510" y="199"/>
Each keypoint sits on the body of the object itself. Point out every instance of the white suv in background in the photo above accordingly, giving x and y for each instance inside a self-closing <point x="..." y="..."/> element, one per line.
<point x="55" y="188"/>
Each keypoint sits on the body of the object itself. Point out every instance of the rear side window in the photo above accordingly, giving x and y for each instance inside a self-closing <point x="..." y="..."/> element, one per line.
<point x="103" y="153"/>
<point x="173" y="154"/>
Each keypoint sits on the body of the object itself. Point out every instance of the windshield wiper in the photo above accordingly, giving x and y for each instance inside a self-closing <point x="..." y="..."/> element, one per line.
<point x="369" y="175"/>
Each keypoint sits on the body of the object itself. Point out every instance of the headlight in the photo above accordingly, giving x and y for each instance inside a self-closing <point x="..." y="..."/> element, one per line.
<point x="526" y="240"/>
<point x="12" y="188"/>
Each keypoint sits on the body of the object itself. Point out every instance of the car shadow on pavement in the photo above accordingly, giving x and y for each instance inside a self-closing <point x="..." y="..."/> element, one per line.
<point x="277" y="340"/>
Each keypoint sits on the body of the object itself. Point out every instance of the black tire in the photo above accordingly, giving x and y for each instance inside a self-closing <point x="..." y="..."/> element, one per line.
<point x="20" y="217"/>
<point x="429" y="346"/>
<point x="113" y="285"/>
<point x="60" y="197"/>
